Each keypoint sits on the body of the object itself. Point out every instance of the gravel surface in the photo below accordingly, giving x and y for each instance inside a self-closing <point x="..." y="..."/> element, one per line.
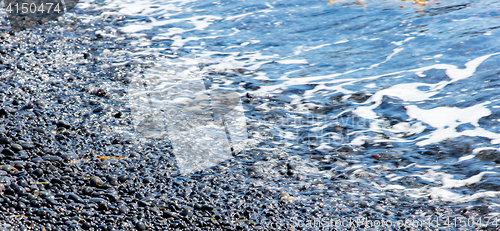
<point x="64" y="166"/>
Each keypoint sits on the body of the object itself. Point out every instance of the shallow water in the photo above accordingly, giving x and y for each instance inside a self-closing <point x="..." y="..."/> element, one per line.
<point x="325" y="85"/>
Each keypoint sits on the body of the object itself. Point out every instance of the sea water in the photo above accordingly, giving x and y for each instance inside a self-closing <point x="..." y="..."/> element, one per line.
<point x="409" y="93"/>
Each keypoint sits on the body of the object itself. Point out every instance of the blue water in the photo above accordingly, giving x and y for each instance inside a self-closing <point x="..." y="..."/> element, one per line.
<point x="414" y="84"/>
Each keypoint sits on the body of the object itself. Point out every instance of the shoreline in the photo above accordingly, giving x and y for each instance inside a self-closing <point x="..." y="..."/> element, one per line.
<point x="64" y="168"/>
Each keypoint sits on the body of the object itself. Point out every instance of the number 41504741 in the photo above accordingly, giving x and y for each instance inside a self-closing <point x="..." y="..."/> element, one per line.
<point x="26" y="8"/>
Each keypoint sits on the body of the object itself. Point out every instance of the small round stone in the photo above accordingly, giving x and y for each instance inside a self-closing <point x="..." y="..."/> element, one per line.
<point x="85" y="225"/>
<point x="122" y="178"/>
<point x="8" y="152"/>
<point x="5" y="140"/>
<point x="140" y="225"/>
<point x="63" y="124"/>
<point x="16" y="147"/>
<point x="95" y="181"/>
<point x="148" y="180"/>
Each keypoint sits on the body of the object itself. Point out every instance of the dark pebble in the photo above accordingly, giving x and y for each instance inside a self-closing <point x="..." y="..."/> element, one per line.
<point x="122" y="178"/>
<point x="16" y="147"/>
<point x="63" y="124"/>
<point x="87" y="190"/>
<point x="35" y="203"/>
<point x="97" y="110"/>
<point x="123" y="209"/>
<point x="148" y="180"/>
<point x="140" y="226"/>
<point x="27" y="106"/>
<point x="8" y="152"/>
<point x="23" y="183"/>
<point x="5" y="140"/>
<point x="39" y="130"/>
<point x="20" y="191"/>
<point x="118" y="115"/>
<point x="57" y="181"/>
<point x="69" y="157"/>
<point x="27" y="145"/>
<point x="97" y="200"/>
<point x="60" y="137"/>
<point x="142" y="203"/>
<point x="21" y="205"/>
<point x="52" y="158"/>
<point x="103" y="206"/>
<point x="186" y="213"/>
<point x="75" y="198"/>
<point x="101" y="92"/>
<point x="37" y="172"/>
<point x="41" y="213"/>
<point x="8" y="168"/>
<point x="113" y="180"/>
<point x="207" y="208"/>
<point x="85" y="225"/>
<point x="168" y="214"/>
<point x="51" y="201"/>
<point x="4" y="113"/>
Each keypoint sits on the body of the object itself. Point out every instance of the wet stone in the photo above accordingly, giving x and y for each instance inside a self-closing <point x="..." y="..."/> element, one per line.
<point x="87" y="190"/>
<point x="123" y="209"/>
<point x="52" y="158"/>
<point x="186" y="212"/>
<point x="60" y="137"/>
<point x="4" y="113"/>
<point x="8" y="152"/>
<point x="37" y="172"/>
<point x="39" y="130"/>
<point x="168" y="214"/>
<point x="96" y="200"/>
<point x="7" y="168"/>
<point x="122" y="178"/>
<point x="51" y="201"/>
<point x="69" y="156"/>
<point x="63" y="124"/>
<point x="16" y="147"/>
<point x="37" y="160"/>
<point x="207" y="208"/>
<point x="75" y="198"/>
<point x="23" y="183"/>
<point x="27" y="106"/>
<point x="113" y="180"/>
<point x="98" y="109"/>
<point x="85" y="225"/>
<point x="21" y="206"/>
<point x="95" y="182"/>
<point x="5" y="140"/>
<point x="148" y="180"/>
<point x="140" y="226"/>
<point x="103" y="206"/>
<point x="20" y="191"/>
<point x="27" y="145"/>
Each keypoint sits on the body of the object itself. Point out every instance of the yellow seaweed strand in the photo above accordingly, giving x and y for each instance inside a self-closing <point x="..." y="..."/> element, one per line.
<point x="243" y="219"/>
<point x="108" y="157"/>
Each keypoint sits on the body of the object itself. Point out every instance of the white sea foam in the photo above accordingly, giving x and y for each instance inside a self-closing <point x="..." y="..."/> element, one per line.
<point x="195" y="31"/>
